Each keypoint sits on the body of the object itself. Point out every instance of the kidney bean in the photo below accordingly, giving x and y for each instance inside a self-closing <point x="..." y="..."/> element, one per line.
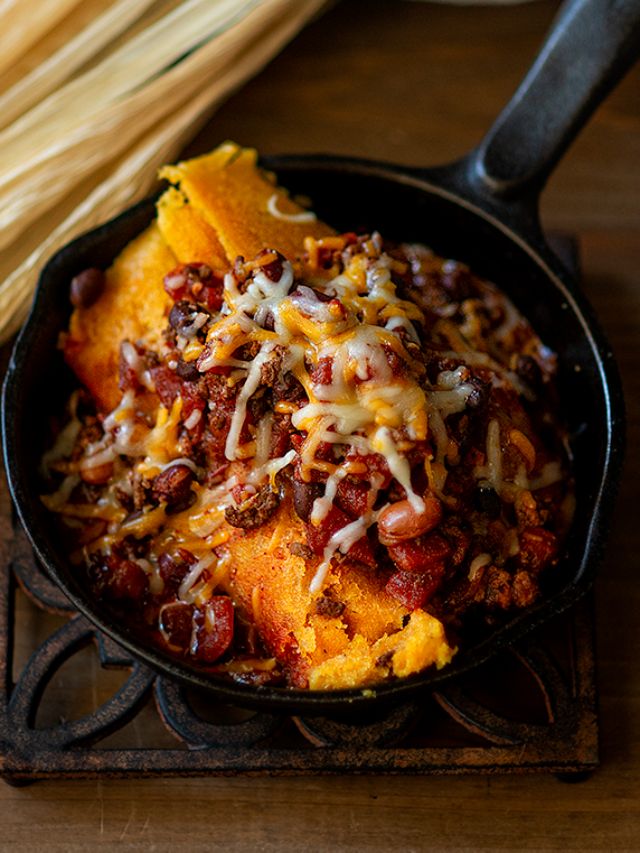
<point x="174" y="567"/>
<point x="173" y="485"/>
<point x="86" y="287"/>
<point x="175" y="621"/>
<point x="400" y="521"/>
<point x="304" y="494"/>
<point x="127" y="580"/>
<point x="214" y="632"/>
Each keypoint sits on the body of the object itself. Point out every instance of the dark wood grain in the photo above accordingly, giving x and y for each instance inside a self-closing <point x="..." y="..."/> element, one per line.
<point x="419" y="83"/>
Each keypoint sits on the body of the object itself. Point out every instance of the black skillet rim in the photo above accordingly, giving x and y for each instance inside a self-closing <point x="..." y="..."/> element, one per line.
<point x="288" y="699"/>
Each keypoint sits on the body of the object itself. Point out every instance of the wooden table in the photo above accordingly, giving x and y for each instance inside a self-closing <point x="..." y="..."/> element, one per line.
<point x="419" y="83"/>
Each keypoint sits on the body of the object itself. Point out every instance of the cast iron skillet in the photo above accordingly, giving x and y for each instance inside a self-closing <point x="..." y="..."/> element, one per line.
<point x="482" y="210"/>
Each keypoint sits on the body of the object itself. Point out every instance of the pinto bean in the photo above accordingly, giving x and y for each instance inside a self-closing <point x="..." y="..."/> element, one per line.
<point x="400" y="521"/>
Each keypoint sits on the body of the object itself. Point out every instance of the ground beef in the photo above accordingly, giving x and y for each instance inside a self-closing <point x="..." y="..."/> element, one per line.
<point x="254" y="511"/>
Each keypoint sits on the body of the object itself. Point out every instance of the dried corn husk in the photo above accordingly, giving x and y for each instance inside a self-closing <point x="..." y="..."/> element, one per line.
<point x="23" y="22"/>
<point x="47" y="76"/>
<point x="92" y="146"/>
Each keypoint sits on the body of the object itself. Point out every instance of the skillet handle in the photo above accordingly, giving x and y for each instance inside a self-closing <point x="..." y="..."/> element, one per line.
<point x="591" y="45"/>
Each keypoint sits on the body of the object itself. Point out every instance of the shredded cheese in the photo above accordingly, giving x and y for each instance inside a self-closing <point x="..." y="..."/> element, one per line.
<point x="345" y="338"/>
<point x="304" y="216"/>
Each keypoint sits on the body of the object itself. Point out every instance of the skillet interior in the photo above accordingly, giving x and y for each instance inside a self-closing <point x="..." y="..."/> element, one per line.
<point x="349" y="195"/>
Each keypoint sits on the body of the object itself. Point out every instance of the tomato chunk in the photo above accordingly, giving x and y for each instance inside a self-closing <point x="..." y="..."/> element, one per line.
<point x="411" y="589"/>
<point x="195" y="281"/>
<point x="353" y="496"/>
<point x="371" y="463"/>
<point x="424" y="554"/>
<point x="322" y="372"/>
<point x="318" y="537"/>
<point x="168" y="385"/>
<point x="421" y="565"/>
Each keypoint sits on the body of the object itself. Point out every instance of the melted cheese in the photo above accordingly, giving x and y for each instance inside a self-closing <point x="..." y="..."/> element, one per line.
<point x="341" y="540"/>
<point x="361" y="401"/>
<point x="249" y="388"/>
<point x="342" y="337"/>
<point x="272" y="207"/>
